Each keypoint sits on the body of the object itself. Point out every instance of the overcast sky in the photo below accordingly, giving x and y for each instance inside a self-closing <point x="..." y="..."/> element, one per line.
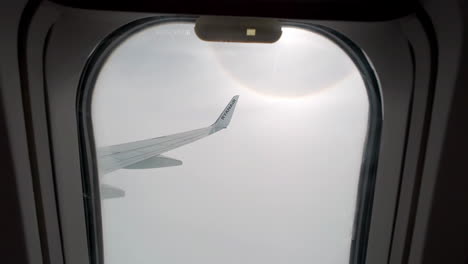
<point x="277" y="186"/>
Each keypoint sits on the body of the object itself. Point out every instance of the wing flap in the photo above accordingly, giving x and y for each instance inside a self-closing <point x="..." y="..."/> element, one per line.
<point x="155" y="162"/>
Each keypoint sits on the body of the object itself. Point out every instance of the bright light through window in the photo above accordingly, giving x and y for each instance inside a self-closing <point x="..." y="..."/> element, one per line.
<point x="188" y="175"/>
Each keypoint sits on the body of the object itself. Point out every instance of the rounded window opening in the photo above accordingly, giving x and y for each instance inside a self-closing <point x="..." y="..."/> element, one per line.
<point x="225" y="152"/>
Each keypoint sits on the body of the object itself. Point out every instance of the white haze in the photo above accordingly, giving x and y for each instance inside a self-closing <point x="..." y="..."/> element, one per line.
<point x="279" y="185"/>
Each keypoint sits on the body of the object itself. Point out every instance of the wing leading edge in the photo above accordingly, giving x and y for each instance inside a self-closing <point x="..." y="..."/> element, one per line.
<point x="146" y="153"/>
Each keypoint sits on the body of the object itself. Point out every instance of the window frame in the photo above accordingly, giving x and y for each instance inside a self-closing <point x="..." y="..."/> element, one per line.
<point x="62" y="82"/>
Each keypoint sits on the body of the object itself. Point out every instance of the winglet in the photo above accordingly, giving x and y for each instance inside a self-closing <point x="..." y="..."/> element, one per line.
<point x="225" y="117"/>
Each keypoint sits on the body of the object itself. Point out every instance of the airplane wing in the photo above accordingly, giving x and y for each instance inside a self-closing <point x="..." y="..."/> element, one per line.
<point x="146" y="153"/>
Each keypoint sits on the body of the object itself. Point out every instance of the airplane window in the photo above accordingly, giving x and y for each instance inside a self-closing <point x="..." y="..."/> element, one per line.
<point x="228" y="152"/>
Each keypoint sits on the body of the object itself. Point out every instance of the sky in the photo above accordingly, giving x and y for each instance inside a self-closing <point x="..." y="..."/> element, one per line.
<point x="279" y="185"/>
